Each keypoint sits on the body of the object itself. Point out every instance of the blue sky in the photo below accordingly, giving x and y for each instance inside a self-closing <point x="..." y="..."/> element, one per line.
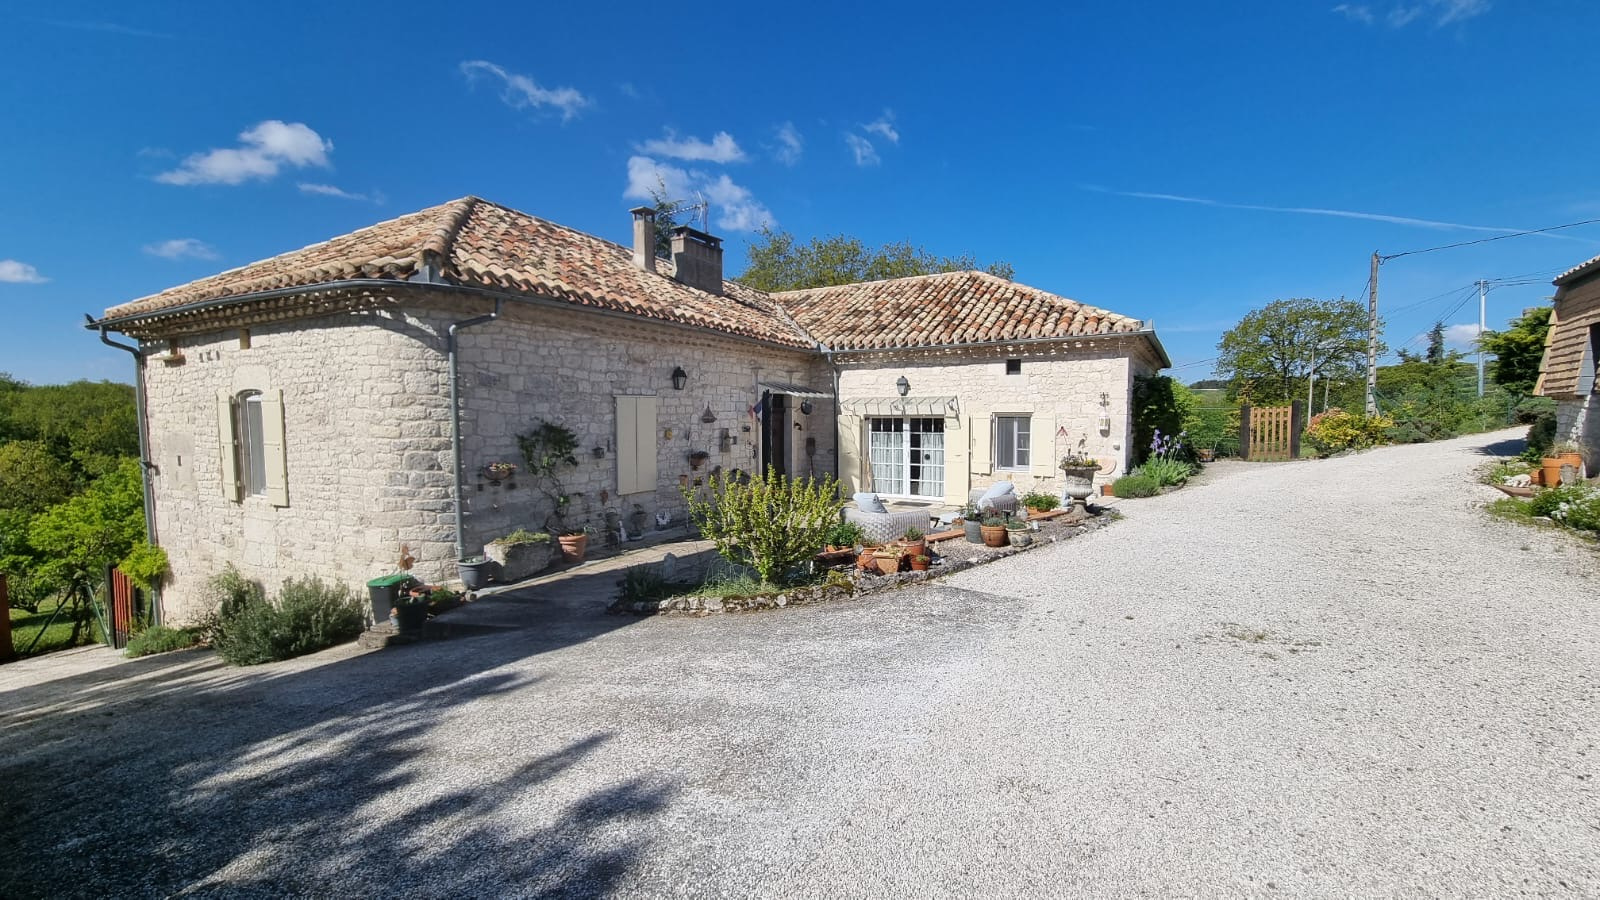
<point x="150" y="145"/>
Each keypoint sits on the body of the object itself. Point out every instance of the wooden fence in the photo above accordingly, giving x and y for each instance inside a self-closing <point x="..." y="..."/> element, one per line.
<point x="1271" y="432"/>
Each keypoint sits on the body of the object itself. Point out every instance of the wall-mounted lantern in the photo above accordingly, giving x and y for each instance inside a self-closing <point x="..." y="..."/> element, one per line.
<point x="1105" y="413"/>
<point x="679" y="378"/>
<point x="708" y="416"/>
<point x="806" y="407"/>
<point x="903" y="386"/>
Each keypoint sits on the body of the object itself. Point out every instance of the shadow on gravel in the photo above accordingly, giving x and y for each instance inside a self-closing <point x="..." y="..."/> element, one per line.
<point x="1508" y="447"/>
<point x="178" y="774"/>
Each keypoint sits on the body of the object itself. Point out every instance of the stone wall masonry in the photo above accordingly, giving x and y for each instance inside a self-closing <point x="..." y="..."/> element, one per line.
<point x="367" y="452"/>
<point x="567" y="368"/>
<point x="1062" y="380"/>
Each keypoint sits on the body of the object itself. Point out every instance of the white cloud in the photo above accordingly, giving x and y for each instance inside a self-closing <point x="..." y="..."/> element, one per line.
<point x="865" y="153"/>
<point x="107" y="27"/>
<point x="646" y="177"/>
<point x="522" y="92"/>
<point x="1362" y="14"/>
<point x="328" y="190"/>
<point x="1463" y="336"/>
<point x="1399" y="15"/>
<point x="181" y="248"/>
<point x="790" y="144"/>
<point x="884" y="127"/>
<point x="265" y="149"/>
<point x="20" y="273"/>
<point x="735" y="206"/>
<point x="721" y="149"/>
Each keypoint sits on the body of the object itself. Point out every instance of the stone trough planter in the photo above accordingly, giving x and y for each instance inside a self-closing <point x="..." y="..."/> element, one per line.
<point x="521" y="560"/>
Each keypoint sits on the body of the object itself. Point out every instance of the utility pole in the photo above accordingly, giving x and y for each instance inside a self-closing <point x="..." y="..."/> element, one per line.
<point x="1483" y="288"/>
<point x="1372" y="339"/>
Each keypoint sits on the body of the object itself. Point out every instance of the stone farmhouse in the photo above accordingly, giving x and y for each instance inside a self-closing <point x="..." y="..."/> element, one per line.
<point x="327" y="411"/>
<point x="1568" y="370"/>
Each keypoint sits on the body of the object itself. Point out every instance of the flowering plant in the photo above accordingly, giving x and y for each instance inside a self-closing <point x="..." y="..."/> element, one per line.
<point x="499" y="471"/>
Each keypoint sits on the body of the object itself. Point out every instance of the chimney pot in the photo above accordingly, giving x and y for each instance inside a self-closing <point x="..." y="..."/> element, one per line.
<point x="644" y="237"/>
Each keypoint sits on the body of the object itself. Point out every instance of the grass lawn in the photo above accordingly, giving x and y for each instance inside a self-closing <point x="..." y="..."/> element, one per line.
<point x="25" y="625"/>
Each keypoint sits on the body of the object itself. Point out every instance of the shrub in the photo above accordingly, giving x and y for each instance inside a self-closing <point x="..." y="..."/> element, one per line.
<point x="845" y="534"/>
<point x="1560" y="502"/>
<point x="1541" y="434"/>
<point x="643" y="583"/>
<point x="913" y="534"/>
<point x="307" y="615"/>
<point x="1165" y="470"/>
<point x="1040" y="501"/>
<point x="159" y="639"/>
<point x="772" y="522"/>
<point x="1335" y="430"/>
<point x="145" y="565"/>
<point x="1136" y="484"/>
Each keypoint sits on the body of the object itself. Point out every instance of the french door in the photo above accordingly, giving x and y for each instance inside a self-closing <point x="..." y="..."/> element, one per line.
<point x="907" y="456"/>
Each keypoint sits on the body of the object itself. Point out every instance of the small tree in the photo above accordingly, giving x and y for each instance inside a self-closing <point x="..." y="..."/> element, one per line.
<point x="772" y="523"/>
<point x="1518" y="350"/>
<point x="547" y="450"/>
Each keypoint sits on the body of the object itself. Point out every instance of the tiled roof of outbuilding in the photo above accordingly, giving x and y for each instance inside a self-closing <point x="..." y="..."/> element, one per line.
<point x="1583" y="268"/>
<point x="944" y="309"/>
<point x="475" y="242"/>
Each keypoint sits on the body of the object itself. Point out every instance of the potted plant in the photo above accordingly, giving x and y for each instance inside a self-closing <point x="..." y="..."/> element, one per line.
<point x="411" y="609"/>
<point x="574" y="544"/>
<point x="888" y="557"/>
<point x="972" y="522"/>
<point x="921" y="562"/>
<point x="1040" y="502"/>
<point x="475" y="571"/>
<point x="1077" y="477"/>
<point x="916" y="543"/>
<point x="697" y="459"/>
<point x="1562" y="454"/>
<point x="499" y="471"/>
<point x="844" y="536"/>
<point x="1017" y="534"/>
<point x="994" y="532"/>
<point x="520" y="553"/>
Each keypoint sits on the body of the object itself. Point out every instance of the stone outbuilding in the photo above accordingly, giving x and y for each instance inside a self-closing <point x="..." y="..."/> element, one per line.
<point x="1567" y="373"/>
<point x="334" y="409"/>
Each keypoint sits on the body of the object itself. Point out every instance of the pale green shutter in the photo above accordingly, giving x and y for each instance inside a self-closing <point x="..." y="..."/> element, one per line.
<point x="850" y="461"/>
<point x="273" y="448"/>
<point x="1042" y="445"/>
<point x="980" y="428"/>
<point x="228" y="449"/>
<point x="636" y="445"/>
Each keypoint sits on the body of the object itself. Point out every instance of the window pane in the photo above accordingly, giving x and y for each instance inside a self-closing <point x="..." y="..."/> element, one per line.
<point x="1022" y="443"/>
<point x="1005" y="436"/>
<point x="254" y="464"/>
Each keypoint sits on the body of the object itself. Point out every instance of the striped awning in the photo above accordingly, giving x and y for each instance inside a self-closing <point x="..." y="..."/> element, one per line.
<point x="902" y="406"/>
<point x="793" y="390"/>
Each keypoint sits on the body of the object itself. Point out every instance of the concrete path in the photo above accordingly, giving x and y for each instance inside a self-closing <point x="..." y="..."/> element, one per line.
<point x="1311" y="679"/>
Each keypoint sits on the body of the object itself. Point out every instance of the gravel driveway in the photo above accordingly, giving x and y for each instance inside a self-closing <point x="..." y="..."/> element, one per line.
<point x="1305" y="679"/>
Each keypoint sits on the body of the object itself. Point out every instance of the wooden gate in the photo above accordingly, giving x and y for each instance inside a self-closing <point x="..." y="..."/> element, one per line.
<point x="1271" y="432"/>
<point x="124" y="609"/>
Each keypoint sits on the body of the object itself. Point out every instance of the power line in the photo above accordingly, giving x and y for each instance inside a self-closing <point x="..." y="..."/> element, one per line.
<point x="1498" y="237"/>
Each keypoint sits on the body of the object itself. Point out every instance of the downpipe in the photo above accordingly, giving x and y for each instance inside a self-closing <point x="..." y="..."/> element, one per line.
<point x="451" y="351"/>
<point x="145" y="465"/>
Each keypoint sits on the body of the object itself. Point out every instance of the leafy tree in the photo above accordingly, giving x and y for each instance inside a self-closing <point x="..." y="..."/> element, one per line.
<point x="666" y="218"/>
<point x="1518" y="350"/>
<point x="94" y="529"/>
<point x="83" y="422"/>
<point x="779" y="262"/>
<point x="1271" y="353"/>
<point x="31" y="477"/>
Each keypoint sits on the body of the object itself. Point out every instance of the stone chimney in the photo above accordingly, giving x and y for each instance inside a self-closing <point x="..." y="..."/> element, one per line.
<point x="697" y="259"/>
<point x="644" y="237"/>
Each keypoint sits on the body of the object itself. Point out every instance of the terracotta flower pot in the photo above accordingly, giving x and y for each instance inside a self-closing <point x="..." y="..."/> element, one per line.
<point x="918" y="547"/>
<point x="1550" y="470"/>
<point x="888" y="563"/>
<point x="920" y="563"/>
<point x="994" y="535"/>
<point x="573" y="547"/>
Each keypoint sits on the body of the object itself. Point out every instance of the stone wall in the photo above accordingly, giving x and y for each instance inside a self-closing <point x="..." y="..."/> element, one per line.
<point x="367" y="451"/>
<point x="367" y="433"/>
<point x="568" y="368"/>
<point x="1060" y="383"/>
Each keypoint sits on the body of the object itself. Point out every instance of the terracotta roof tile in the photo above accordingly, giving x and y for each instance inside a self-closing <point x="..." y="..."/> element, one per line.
<point x="948" y="308"/>
<point x="479" y="243"/>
